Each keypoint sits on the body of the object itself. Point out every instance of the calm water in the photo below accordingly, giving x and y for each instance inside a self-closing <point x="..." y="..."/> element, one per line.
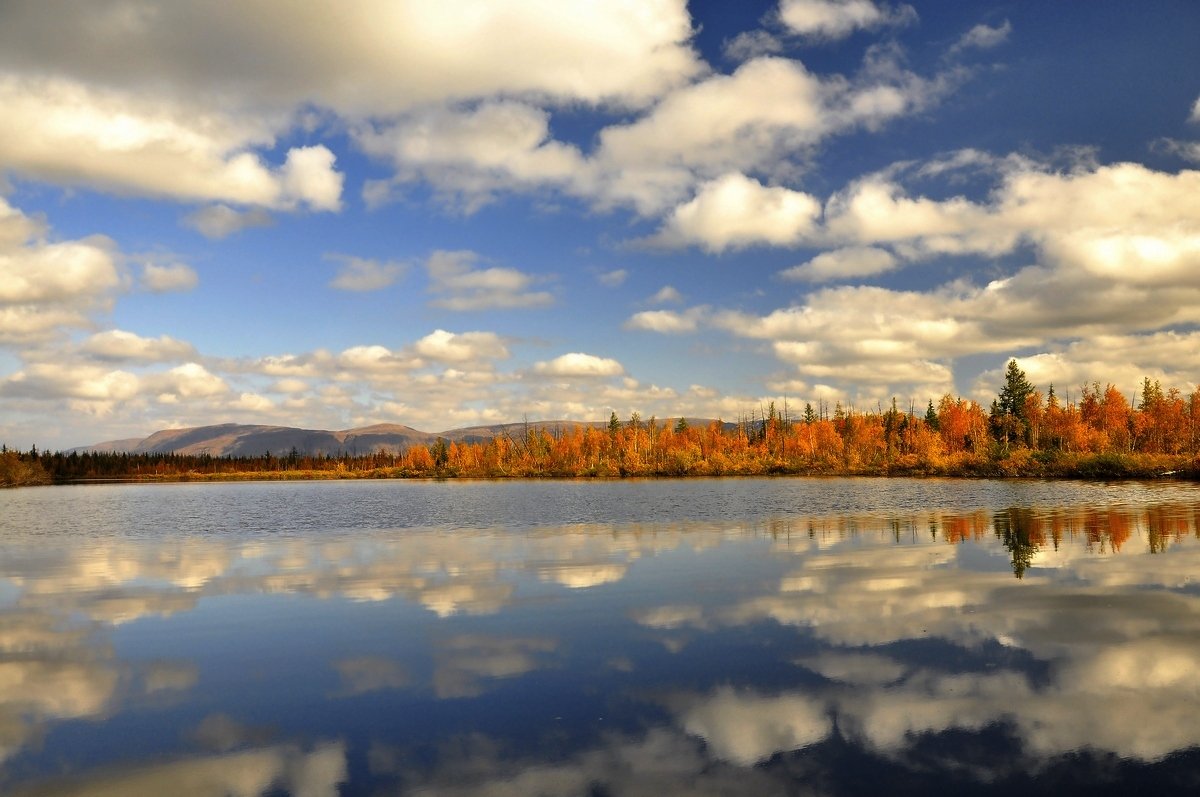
<point x="788" y="636"/>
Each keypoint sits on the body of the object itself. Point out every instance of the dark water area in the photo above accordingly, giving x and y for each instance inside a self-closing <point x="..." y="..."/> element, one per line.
<point x="737" y="636"/>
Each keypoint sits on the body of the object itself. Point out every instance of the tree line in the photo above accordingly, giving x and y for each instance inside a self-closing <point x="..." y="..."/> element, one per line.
<point x="1098" y="434"/>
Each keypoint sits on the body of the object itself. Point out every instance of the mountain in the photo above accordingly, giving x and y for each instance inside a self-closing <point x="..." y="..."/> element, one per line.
<point x="234" y="439"/>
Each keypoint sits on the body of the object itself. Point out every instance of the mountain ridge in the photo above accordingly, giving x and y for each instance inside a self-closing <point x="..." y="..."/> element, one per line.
<point x="234" y="439"/>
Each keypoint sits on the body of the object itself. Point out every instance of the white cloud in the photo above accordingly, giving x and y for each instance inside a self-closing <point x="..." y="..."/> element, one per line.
<point x="840" y="264"/>
<point x="461" y="347"/>
<point x="168" y="278"/>
<point x="30" y="323"/>
<point x="667" y="321"/>
<point x="578" y="364"/>
<point x="1173" y="358"/>
<point x="49" y="381"/>
<point x="836" y="19"/>
<point x="613" y="279"/>
<point x="252" y="403"/>
<point x="17" y="229"/>
<point x="471" y="154"/>
<point x="736" y="211"/>
<point x="45" y="286"/>
<point x="723" y="123"/>
<point x="362" y="274"/>
<point x="667" y="294"/>
<point x="358" y="361"/>
<point x="983" y="37"/>
<point x="1195" y="115"/>
<point x="221" y="221"/>
<point x="308" y="177"/>
<point x="117" y="344"/>
<point x="1118" y="249"/>
<point x="459" y="285"/>
<point x="764" y="117"/>
<point x="874" y="210"/>
<point x="188" y="381"/>
<point x="68" y="133"/>
<point x="56" y="272"/>
<point x="384" y="58"/>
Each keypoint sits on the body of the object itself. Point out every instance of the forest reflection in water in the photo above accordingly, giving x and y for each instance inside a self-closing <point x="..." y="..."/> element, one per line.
<point x="831" y="653"/>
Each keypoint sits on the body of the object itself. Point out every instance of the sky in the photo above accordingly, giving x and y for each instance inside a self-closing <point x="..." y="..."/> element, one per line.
<point x="330" y="215"/>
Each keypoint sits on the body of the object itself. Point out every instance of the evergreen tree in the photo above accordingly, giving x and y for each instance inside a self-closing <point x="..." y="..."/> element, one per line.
<point x="931" y="417"/>
<point x="1017" y="388"/>
<point x="1008" y="419"/>
<point x="440" y="453"/>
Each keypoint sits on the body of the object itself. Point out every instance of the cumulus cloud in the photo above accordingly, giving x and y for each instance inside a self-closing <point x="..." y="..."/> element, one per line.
<point x="735" y="211"/>
<point x="70" y="133"/>
<point x="308" y="176"/>
<point x="1195" y="115"/>
<point x="667" y="294"/>
<point x="168" y="278"/>
<point x="722" y="124"/>
<point x="982" y="37"/>
<point x="372" y="360"/>
<point x="362" y="274"/>
<point x="766" y="116"/>
<point x="460" y="285"/>
<point x="118" y="345"/>
<point x="51" y="381"/>
<point x="578" y="364"/>
<point x="221" y="221"/>
<point x="382" y="59"/>
<point x="1117" y="252"/>
<point x="1123" y="360"/>
<point x="763" y="117"/>
<point x="188" y="381"/>
<point x="46" y="286"/>
<point x="667" y="321"/>
<point x="59" y="272"/>
<point x="461" y="347"/>
<point x="836" y="19"/>
<point x="470" y="154"/>
<point x="858" y="261"/>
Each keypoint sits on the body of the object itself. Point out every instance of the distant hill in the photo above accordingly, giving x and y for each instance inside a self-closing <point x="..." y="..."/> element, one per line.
<point x="233" y="439"/>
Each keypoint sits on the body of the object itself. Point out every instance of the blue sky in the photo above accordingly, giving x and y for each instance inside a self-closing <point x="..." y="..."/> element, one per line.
<point x="445" y="214"/>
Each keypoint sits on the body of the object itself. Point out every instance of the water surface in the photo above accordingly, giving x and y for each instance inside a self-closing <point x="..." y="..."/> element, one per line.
<point x="738" y="636"/>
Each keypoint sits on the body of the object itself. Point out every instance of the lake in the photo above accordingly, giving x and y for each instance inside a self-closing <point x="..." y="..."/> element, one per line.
<point x="735" y="636"/>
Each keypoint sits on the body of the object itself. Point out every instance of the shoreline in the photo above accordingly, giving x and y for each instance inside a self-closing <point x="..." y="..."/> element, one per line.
<point x="1085" y="470"/>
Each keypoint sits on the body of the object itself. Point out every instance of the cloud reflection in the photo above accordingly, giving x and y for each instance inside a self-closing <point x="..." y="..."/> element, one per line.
<point x="249" y="773"/>
<point x="912" y="625"/>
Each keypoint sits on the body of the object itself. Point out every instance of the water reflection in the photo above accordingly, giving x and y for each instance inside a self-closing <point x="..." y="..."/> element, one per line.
<point x="828" y="652"/>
